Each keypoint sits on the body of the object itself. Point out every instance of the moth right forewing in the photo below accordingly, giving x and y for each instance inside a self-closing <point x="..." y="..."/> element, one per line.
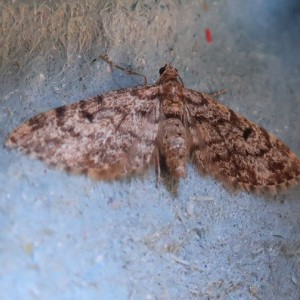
<point x="236" y="151"/>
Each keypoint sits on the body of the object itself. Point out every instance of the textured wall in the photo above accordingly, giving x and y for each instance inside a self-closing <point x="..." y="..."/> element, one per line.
<point x="67" y="237"/>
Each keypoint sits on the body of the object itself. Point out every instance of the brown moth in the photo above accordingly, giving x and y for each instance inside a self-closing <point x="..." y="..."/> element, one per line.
<point x="122" y="132"/>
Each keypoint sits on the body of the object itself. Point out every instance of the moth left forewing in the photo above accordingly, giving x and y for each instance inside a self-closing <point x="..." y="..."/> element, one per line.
<point x="105" y="137"/>
<point x="235" y="150"/>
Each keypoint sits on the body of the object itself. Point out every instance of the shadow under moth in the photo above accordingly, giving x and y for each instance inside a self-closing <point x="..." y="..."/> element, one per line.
<point x="123" y="132"/>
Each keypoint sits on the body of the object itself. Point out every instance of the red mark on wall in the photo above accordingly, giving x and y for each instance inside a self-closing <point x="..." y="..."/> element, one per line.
<point x="208" y="35"/>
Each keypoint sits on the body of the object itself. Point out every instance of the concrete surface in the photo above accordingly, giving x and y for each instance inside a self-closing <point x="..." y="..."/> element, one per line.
<point x="67" y="237"/>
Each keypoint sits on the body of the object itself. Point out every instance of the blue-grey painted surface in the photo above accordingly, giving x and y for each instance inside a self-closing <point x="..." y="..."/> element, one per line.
<point x="67" y="237"/>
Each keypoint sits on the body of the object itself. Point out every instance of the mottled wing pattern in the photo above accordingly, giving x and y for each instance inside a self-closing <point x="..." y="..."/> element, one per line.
<point x="105" y="137"/>
<point x="235" y="150"/>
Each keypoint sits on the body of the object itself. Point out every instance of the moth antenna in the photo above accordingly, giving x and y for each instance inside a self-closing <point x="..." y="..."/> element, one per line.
<point x="217" y="93"/>
<point x="180" y="79"/>
<point x="108" y="60"/>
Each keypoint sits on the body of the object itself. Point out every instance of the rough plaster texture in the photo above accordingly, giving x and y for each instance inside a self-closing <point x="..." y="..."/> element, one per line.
<point x="67" y="237"/>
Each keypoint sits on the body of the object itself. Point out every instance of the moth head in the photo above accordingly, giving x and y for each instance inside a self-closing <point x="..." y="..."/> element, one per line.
<point x="167" y="72"/>
<point x="168" y="69"/>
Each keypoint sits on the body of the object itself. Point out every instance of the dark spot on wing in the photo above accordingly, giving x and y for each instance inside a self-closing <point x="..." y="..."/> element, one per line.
<point x="72" y="132"/>
<point x="143" y="113"/>
<point x="201" y="119"/>
<point x="83" y="104"/>
<point x="37" y="122"/>
<point x="87" y="115"/>
<point x="60" y="111"/>
<point x="99" y="99"/>
<point x="133" y="92"/>
<point x="247" y="132"/>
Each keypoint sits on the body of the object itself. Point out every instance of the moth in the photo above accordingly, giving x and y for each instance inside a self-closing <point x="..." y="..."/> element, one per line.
<point x="123" y="132"/>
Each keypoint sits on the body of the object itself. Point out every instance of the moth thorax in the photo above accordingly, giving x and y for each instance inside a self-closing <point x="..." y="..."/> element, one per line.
<point x="168" y="78"/>
<point x="173" y="108"/>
